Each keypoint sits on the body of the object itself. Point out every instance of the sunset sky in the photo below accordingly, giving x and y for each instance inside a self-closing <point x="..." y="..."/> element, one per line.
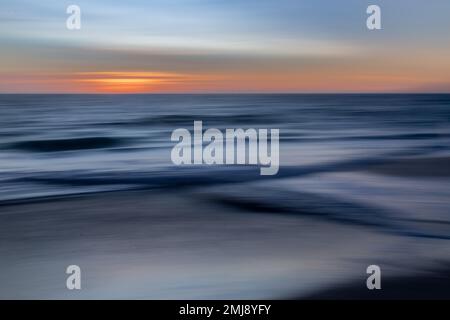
<point x="224" y="46"/>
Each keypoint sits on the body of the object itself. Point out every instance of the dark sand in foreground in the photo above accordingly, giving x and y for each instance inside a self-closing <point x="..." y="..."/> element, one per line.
<point x="150" y="245"/>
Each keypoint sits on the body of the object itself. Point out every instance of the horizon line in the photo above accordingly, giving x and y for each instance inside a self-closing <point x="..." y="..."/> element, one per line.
<point x="224" y="93"/>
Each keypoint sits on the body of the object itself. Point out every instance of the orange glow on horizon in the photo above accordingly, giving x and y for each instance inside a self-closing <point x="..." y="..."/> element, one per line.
<point x="129" y="82"/>
<point x="319" y="80"/>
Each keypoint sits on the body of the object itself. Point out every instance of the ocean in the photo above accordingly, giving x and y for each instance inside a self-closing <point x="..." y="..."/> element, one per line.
<point x="363" y="178"/>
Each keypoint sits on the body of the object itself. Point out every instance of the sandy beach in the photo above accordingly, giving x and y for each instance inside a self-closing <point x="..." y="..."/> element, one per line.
<point x="147" y="245"/>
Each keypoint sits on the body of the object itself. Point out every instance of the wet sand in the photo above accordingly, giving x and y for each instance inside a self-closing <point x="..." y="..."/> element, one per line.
<point x="179" y="246"/>
<point x="424" y="285"/>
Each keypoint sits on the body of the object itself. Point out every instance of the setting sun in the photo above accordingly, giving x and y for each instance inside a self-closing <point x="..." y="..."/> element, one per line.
<point x="128" y="82"/>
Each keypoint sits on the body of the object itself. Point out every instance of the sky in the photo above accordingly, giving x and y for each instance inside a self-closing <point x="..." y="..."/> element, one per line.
<point x="197" y="46"/>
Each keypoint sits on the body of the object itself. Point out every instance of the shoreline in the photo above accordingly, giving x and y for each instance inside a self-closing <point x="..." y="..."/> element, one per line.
<point x="431" y="285"/>
<point x="147" y="244"/>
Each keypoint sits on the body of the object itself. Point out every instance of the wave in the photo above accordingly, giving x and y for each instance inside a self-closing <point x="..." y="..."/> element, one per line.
<point x="196" y="175"/>
<point x="66" y="144"/>
<point x="188" y="120"/>
<point x="271" y="200"/>
<point x="296" y="203"/>
<point x="438" y="166"/>
<point x="405" y="136"/>
<point x="234" y="187"/>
